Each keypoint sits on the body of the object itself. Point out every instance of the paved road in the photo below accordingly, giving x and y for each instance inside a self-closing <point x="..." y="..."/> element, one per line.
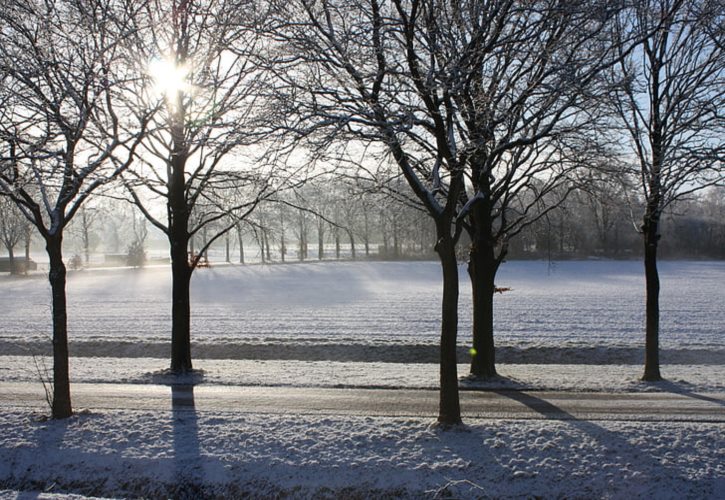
<point x="660" y="406"/>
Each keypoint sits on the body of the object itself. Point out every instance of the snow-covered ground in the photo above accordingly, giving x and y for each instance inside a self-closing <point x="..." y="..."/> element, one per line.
<point x="194" y="455"/>
<point x="294" y="373"/>
<point x="368" y="306"/>
<point x="570" y="326"/>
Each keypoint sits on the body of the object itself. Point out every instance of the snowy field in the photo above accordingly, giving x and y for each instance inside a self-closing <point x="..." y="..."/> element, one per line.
<point x="374" y="311"/>
<point x="571" y="326"/>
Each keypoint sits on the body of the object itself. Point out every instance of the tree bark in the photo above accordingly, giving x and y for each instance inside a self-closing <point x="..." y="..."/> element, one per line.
<point x="179" y="241"/>
<point x="180" y="309"/>
<point x="449" y="411"/>
<point x="482" y="268"/>
<point x="652" y="314"/>
<point x="61" y="407"/>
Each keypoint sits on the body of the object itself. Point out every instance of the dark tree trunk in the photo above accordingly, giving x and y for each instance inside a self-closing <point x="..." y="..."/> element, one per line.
<point x="61" y="407"/>
<point x="652" y="314"/>
<point x="11" y="260"/>
<point x="449" y="411"/>
<point x="179" y="239"/>
<point x="482" y="268"/>
<point x="180" y="309"/>
<point x="27" y="244"/>
<point x="320" y="240"/>
<point x="337" y="244"/>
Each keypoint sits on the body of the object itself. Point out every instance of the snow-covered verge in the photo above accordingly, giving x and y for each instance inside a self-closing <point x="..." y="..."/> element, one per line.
<point x="294" y="373"/>
<point x="186" y="454"/>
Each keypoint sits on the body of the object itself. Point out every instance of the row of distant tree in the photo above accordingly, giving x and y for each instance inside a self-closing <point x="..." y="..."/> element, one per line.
<point x="588" y="224"/>
<point x="494" y="122"/>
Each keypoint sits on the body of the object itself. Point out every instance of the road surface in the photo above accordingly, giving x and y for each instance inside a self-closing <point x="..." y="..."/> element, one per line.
<point x="499" y="404"/>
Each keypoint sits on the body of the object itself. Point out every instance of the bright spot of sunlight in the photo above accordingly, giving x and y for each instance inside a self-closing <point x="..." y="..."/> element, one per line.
<point x="169" y="78"/>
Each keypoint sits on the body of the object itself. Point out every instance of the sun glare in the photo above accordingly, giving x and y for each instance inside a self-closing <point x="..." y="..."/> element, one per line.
<point x="169" y="78"/>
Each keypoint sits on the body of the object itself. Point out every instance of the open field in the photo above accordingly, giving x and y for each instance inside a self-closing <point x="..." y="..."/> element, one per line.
<point x="573" y="326"/>
<point x="375" y="311"/>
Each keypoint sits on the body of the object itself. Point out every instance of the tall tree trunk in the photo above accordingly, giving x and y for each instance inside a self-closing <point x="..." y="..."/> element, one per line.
<point x="482" y="268"/>
<point x="180" y="309"/>
<point x="61" y="407"/>
<point x="449" y="410"/>
<point x="227" y="254"/>
<point x="180" y="240"/>
<point x="652" y="285"/>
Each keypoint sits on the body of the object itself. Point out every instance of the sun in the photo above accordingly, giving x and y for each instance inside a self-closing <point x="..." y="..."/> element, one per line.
<point x="169" y="78"/>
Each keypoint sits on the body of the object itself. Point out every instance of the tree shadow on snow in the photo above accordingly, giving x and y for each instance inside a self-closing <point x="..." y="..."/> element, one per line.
<point x="188" y="464"/>
<point x="682" y="390"/>
<point x="612" y="443"/>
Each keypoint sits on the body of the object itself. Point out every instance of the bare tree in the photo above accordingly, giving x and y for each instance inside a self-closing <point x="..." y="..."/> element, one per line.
<point x="199" y="57"/>
<point x="530" y="102"/>
<point x="13" y="229"/>
<point x="61" y="132"/>
<point x="362" y="81"/>
<point x="671" y="111"/>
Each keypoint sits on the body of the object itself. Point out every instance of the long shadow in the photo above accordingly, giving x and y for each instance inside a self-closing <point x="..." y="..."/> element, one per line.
<point x="188" y="464"/>
<point x="683" y="391"/>
<point x="645" y="462"/>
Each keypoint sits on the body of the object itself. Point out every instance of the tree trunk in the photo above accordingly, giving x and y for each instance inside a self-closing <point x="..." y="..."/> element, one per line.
<point x="27" y="246"/>
<point x="61" y="407"/>
<point x="227" y="254"/>
<point x="652" y="285"/>
<point x="352" y="245"/>
<point x="180" y="241"/>
<point x="449" y="411"/>
<point x="482" y="268"/>
<point x="11" y="260"/>
<point x="180" y="309"/>
<point x="337" y="244"/>
<point x="240" y="239"/>
<point x="265" y="236"/>
<point x="320" y="240"/>
<point x="366" y="237"/>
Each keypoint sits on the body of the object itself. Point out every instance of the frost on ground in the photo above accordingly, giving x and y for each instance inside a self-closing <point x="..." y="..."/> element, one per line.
<point x="573" y="326"/>
<point x="375" y="311"/>
<point x="295" y="373"/>
<point x="193" y="454"/>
